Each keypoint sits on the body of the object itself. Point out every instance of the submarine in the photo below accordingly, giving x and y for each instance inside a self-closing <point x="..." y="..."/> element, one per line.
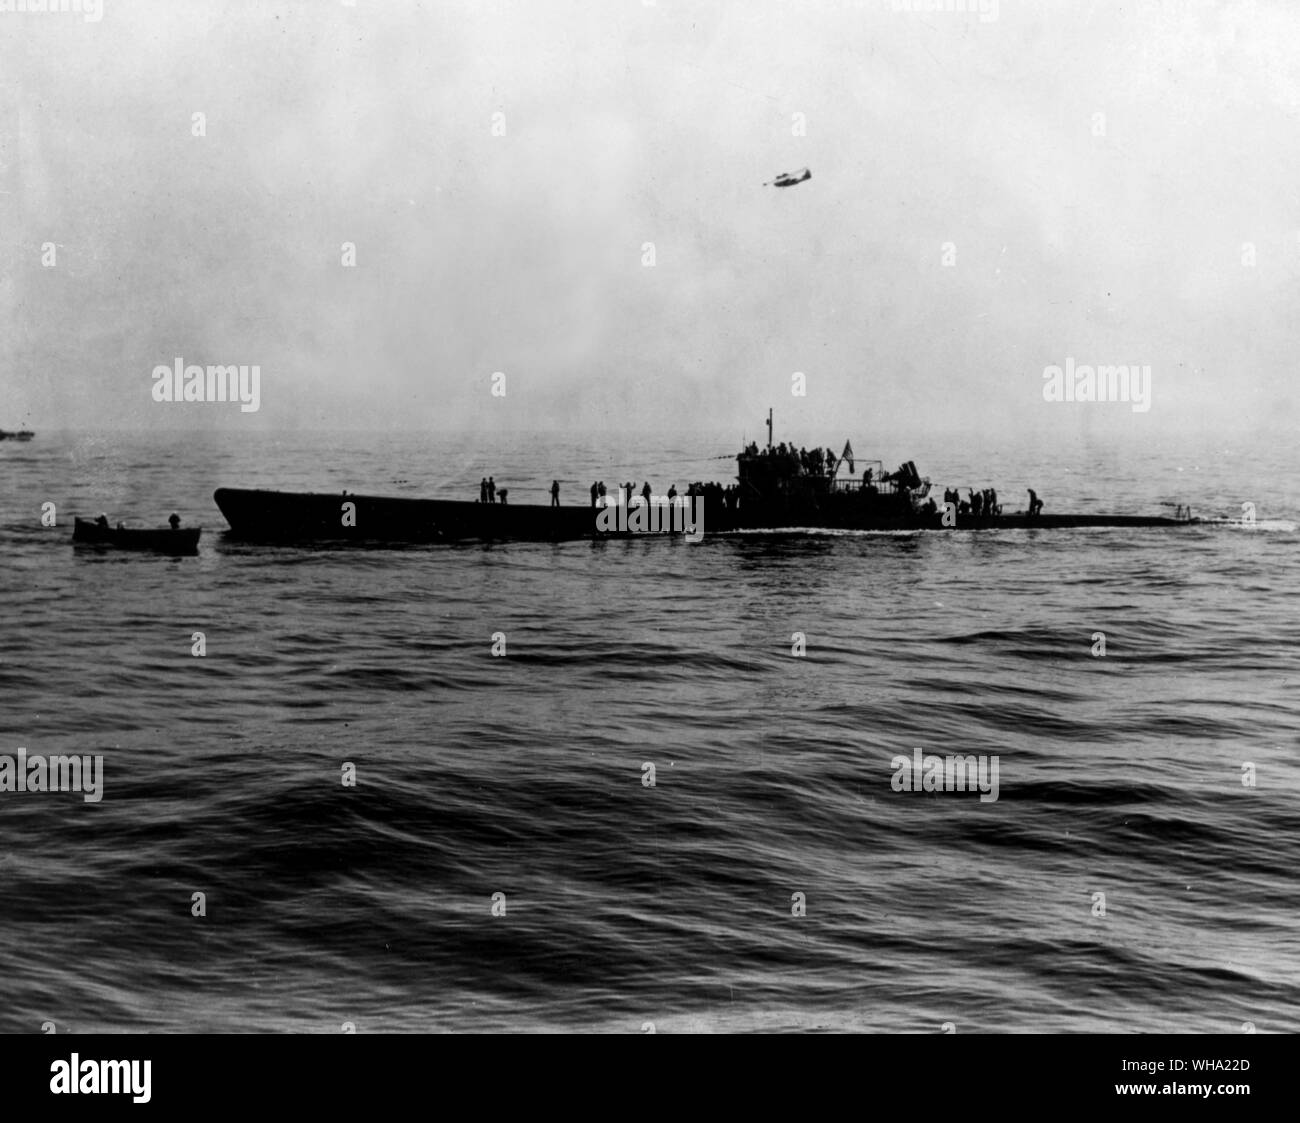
<point x="778" y="488"/>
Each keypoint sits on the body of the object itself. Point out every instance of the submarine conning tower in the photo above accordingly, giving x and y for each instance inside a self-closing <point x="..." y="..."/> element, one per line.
<point x="798" y="480"/>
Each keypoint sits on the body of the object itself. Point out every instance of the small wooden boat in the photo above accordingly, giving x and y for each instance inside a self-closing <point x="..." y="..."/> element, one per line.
<point x="21" y="435"/>
<point x="176" y="542"/>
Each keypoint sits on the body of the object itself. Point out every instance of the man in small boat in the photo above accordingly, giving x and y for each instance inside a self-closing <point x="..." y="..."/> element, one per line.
<point x="175" y="521"/>
<point x="482" y="490"/>
<point x="1035" y="504"/>
<point x="555" y="493"/>
<point x="492" y="490"/>
<point x="102" y="521"/>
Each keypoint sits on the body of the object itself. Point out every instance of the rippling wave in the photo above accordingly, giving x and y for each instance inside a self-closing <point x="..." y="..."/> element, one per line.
<point x="771" y="679"/>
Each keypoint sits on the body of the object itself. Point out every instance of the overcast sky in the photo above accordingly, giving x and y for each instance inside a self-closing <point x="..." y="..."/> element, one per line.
<point x="1102" y="172"/>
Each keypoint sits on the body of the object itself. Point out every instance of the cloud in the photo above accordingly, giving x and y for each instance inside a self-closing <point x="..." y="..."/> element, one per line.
<point x="626" y="125"/>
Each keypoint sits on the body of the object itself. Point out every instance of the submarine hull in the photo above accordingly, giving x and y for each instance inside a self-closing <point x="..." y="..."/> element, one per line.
<point x="337" y="519"/>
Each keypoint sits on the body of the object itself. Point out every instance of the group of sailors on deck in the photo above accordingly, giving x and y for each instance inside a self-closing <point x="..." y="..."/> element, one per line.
<point x="981" y="503"/>
<point x="713" y="493"/>
<point x="624" y="493"/>
<point x="488" y="492"/>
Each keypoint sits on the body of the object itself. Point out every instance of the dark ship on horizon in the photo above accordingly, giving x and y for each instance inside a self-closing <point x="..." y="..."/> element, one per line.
<point x="777" y="489"/>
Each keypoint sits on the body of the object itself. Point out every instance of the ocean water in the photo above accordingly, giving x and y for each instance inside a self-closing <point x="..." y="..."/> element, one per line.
<point x="524" y="774"/>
